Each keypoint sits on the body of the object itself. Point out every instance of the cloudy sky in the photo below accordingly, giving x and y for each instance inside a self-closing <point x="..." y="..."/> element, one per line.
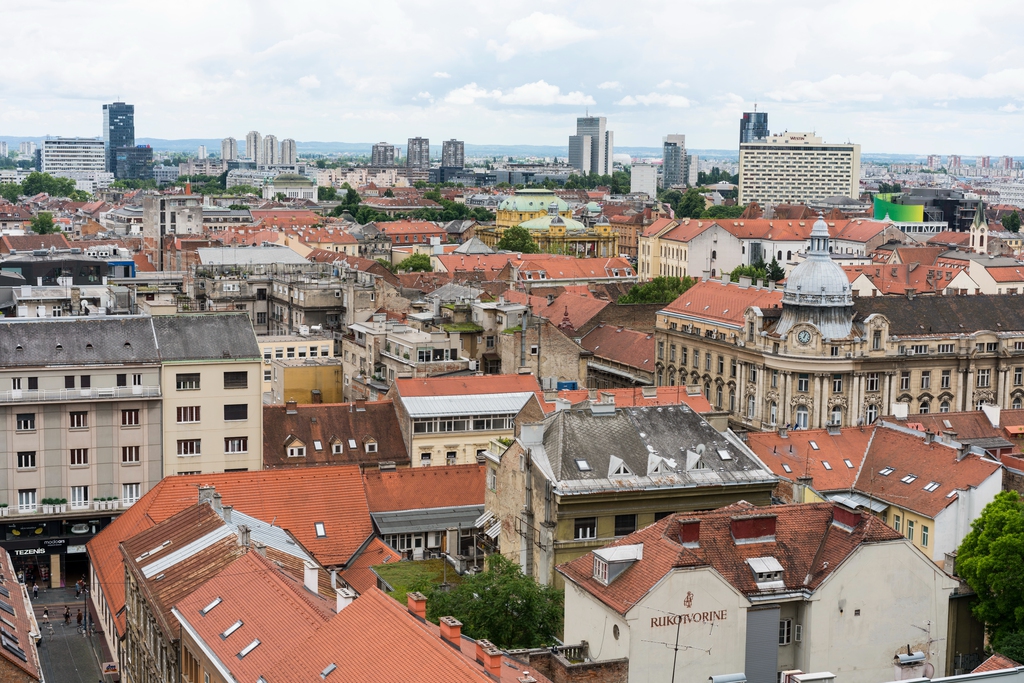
<point x="907" y="76"/>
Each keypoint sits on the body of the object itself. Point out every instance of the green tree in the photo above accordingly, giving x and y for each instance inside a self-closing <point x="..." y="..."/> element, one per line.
<point x="11" y="192"/>
<point x="245" y="189"/>
<point x="1011" y="645"/>
<point x="389" y="192"/>
<point x="417" y="263"/>
<point x="1011" y="222"/>
<point x="518" y="239"/>
<point x="723" y="212"/>
<point x="326" y="193"/>
<point x="774" y="272"/>
<point x="991" y="561"/>
<point x="660" y="290"/>
<point x="42" y="223"/>
<point x="502" y="605"/>
<point x="37" y="182"/>
<point x="754" y="272"/>
<point x="691" y="205"/>
<point x="387" y="264"/>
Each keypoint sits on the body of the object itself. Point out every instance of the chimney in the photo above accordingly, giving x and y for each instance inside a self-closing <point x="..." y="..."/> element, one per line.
<point x="562" y="404"/>
<point x="226" y="513"/>
<point x="845" y="517"/>
<point x="689" y="532"/>
<point x="928" y="436"/>
<point x="206" y="494"/>
<point x="290" y="407"/>
<point x="309" y="576"/>
<point x="753" y="528"/>
<point x="451" y="630"/>
<point x="345" y="598"/>
<point x="360" y="404"/>
<point x="833" y="429"/>
<point x="492" y="662"/>
<point x="649" y="391"/>
<point x="417" y="604"/>
<point x="216" y="504"/>
<point x="783" y="432"/>
<point x="607" y="397"/>
<point x="243" y="535"/>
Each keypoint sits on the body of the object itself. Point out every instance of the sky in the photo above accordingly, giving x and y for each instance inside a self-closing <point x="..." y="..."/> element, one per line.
<point x="904" y="76"/>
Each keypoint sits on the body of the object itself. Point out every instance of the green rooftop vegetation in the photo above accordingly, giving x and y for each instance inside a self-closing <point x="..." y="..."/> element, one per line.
<point x="419" y="575"/>
<point x="462" y="327"/>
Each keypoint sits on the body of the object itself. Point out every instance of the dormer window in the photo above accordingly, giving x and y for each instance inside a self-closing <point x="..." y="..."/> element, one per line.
<point x="611" y="561"/>
<point x="617" y="468"/>
<point x="767" y="572"/>
<point x="600" y="570"/>
<point x="336" y="448"/>
<point x="297" y="451"/>
<point x="370" y="445"/>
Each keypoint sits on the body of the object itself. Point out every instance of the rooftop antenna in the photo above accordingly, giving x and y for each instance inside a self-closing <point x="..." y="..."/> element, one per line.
<point x="755" y="107"/>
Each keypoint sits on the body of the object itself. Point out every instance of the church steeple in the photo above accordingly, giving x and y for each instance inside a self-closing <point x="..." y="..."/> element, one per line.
<point x="979" y="230"/>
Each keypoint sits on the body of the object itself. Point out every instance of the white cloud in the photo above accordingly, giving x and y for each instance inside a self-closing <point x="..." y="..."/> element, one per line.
<point x="538" y="94"/>
<point x="664" y="85"/>
<point x="655" y="98"/>
<point x="1010" y="107"/>
<point x="904" y="86"/>
<point x="610" y="85"/>
<point x="309" y="81"/>
<point x="442" y="74"/>
<point x="538" y="32"/>
<point x="424" y="96"/>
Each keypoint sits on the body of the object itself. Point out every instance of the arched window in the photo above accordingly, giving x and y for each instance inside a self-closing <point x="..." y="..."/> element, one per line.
<point x="671" y="378"/>
<point x="732" y="401"/>
<point x="801" y="417"/>
<point x="773" y="413"/>
<point x="837" y="415"/>
<point x="780" y="256"/>
<point x="707" y="391"/>
<point x="1017" y="403"/>
<point x="713" y="273"/>
<point x="789" y="255"/>
<point x="871" y="414"/>
<point x="661" y="378"/>
<point x="718" y="398"/>
<point x="925" y="407"/>
<point x="714" y="254"/>
<point x="751" y="403"/>
<point x="944" y="407"/>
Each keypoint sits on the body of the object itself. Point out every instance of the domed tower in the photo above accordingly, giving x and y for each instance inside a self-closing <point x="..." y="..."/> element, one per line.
<point x="817" y="292"/>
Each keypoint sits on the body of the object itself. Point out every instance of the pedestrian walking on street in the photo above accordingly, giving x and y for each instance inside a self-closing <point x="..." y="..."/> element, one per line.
<point x="67" y="616"/>
<point x="78" y="618"/>
<point x="35" y="591"/>
<point x="46" y="614"/>
<point x="78" y="589"/>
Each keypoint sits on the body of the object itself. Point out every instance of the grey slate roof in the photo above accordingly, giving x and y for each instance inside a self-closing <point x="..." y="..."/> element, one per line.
<point x="945" y="314"/>
<point x="115" y="340"/>
<point x="665" y="446"/>
<point x="246" y="256"/>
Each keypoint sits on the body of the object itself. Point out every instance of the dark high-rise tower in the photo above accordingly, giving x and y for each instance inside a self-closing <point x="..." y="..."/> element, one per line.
<point x="118" y="130"/>
<point x="753" y="126"/>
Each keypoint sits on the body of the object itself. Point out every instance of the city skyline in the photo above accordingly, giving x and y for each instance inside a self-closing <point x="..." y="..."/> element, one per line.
<point x="525" y="76"/>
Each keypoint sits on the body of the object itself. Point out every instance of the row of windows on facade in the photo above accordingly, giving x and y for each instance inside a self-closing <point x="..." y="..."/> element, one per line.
<point x="232" y="444"/>
<point x="183" y="381"/>
<point x="298" y="450"/>
<point x="79" y="419"/>
<point x="467" y="423"/>
<point x="585" y="528"/>
<point x="291" y="351"/>
<point x="907" y="529"/>
<point x="79" y="457"/>
<point x="450" y="458"/>
<point x="79" y="498"/>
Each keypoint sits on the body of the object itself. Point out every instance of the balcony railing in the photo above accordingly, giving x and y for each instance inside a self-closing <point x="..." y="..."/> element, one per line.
<point x="58" y="395"/>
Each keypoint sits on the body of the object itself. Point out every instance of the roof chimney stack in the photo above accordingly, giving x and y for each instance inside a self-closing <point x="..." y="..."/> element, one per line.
<point x="226" y="513"/>
<point x="309" y="576"/>
<point x="451" y="630"/>
<point x="243" y="535"/>
<point x="753" y="528"/>
<point x="417" y="604"/>
<point x="689" y="533"/>
<point x="290" y="407"/>
<point x="346" y="596"/>
<point x="206" y="494"/>
<point x="216" y="503"/>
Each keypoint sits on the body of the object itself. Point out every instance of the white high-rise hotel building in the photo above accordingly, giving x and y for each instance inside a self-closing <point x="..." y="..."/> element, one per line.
<point x="797" y="168"/>
<point x="592" y="148"/>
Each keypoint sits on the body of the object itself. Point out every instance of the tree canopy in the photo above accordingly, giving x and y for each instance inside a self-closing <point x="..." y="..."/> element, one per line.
<point x="723" y="212"/>
<point x="991" y="561"/>
<point x="717" y="175"/>
<point x="518" y="238"/>
<point x="417" y="263"/>
<point x="502" y="605"/>
<point x="660" y="290"/>
<point x="618" y="181"/>
<point x="1011" y="222"/>
<point x="326" y="193"/>
<point x="42" y="223"/>
<point x="11" y="192"/>
<point x="774" y="271"/>
<point x="752" y="271"/>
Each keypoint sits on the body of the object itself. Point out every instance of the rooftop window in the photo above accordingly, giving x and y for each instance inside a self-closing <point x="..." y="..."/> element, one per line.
<point x="931" y="486"/>
<point x="814" y="445"/>
<point x="824" y="463"/>
<point x="848" y="463"/>
<point x="231" y="629"/>
<point x="248" y="648"/>
<point x="321" y="530"/>
<point x="909" y="478"/>
<point x="209" y="607"/>
<point x="885" y="472"/>
<point x="582" y="465"/>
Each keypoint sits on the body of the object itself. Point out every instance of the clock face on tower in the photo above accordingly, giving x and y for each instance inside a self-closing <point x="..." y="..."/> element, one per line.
<point x="804" y="336"/>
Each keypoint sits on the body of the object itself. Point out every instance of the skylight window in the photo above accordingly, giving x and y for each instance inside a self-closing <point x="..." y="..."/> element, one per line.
<point x="249" y="648"/>
<point x="887" y="471"/>
<point x="321" y="530"/>
<point x="724" y="454"/>
<point x="788" y="469"/>
<point x="206" y="610"/>
<point x="931" y="486"/>
<point x="909" y="478"/>
<point x="824" y="463"/>
<point x="327" y="671"/>
<point x="848" y="463"/>
<point x="352" y="444"/>
<point x="947" y="424"/>
<point x="814" y="445"/>
<point x="231" y="629"/>
<point x="318" y="445"/>
<point x="582" y="465"/>
<point x="951" y="493"/>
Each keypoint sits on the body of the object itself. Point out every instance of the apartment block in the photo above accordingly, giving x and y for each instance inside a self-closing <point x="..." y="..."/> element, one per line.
<point x="61" y="156"/>
<point x="797" y="168"/>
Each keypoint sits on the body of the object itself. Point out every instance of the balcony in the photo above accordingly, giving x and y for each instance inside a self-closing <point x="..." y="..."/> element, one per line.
<point x="60" y="395"/>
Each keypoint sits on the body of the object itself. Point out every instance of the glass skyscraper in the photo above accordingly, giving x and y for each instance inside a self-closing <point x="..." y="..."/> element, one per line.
<point x="753" y="126"/>
<point x="118" y="130"/>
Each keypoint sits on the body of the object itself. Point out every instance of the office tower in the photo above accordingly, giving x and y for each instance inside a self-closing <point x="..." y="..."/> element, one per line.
<point x="271" y="152"/>
<point x="288" y="152"/>
<point x="254" y="147"/>
<point x="133" y="162"/>
<point x="592" y="148"/>
<point x="229" y="149"/>
<point x="673" y="161"/>
<point x="692" y="169"/>
<point x="118" y="130"/>
<point x="27" y="148"/>
<point x="644" y="179"/>
<point x="383" y="154"/>
<point x="202" y="151"/>
<point x="753" y="126"/>
<point x="797" y="168"/>
<point x="3" y="148"/>
<point x="453" y="154"/>
<point x="69" y="155"/>
<point x="418" y="154"/>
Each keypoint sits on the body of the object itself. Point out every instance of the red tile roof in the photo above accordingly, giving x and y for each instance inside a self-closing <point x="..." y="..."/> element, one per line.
<point x="996" y="662"/>
<point x="578" y="309"/>
<point x="459" y="386"/>
<point x="1007" y="273"/>
<point x="286" y="218"/>
<point x="803" y="460"/>
<point x="359" y="573"/>
<point x="621" y="345"/>
<point x="806" y="543"/>
<point x="950" y="237"/>
<point x="664" y="396"/>
<point x="898" y="278"/>
<point x="421" y="488"/>
<point x="24" y="623"/>
<point x="723" y="303"/>
<point x="410" y="228"/>
<point x="284" y="495"/>
<point x="33" y="241"/>
<point x="142" y="264"/>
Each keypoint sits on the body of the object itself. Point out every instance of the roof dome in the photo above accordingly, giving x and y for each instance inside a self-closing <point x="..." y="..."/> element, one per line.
<point x="817" y="292"/>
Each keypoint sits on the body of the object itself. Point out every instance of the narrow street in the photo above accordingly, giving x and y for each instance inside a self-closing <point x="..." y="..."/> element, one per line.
<point x="65" y="654"/>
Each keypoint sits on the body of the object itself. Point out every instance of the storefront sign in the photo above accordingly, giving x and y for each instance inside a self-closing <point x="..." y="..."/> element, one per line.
<point x="73" y="549"/>
<point x="54" y="542"/>
<point x="692" y="618"/>
<point x="30" y="551"/>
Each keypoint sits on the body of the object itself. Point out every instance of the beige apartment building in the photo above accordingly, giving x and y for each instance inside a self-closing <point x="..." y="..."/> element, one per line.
<point x="811" y="355"/>
<point x="289" y="347"/>
<point x="797" y="168"/>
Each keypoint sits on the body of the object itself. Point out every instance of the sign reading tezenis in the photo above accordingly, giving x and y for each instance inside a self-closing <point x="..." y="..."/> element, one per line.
<point x="692" y="618"/>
